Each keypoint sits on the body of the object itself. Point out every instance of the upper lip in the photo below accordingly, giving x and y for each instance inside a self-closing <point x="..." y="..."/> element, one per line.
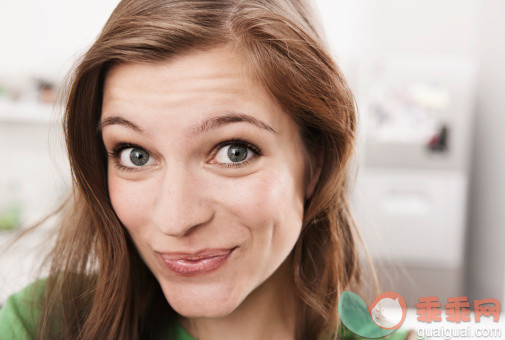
<point x="196" y="255"/>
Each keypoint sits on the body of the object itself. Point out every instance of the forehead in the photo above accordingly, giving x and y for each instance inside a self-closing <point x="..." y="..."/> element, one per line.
<point x="189" y="88"/>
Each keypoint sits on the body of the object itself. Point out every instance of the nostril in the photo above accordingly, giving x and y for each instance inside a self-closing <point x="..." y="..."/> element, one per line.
<point x="185" y="225"/>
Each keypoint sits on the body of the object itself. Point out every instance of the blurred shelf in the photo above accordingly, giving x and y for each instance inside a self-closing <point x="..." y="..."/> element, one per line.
<point x="26" y="112"/>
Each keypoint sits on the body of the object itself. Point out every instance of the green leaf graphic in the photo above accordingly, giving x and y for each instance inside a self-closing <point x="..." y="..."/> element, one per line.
<point x="354" y="315"/>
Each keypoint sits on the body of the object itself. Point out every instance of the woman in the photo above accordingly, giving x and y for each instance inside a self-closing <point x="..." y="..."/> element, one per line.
<point x="209" y="143"/>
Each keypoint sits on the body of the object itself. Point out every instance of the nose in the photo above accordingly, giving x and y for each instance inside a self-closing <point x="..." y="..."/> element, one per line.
<point x="181" y="205"/>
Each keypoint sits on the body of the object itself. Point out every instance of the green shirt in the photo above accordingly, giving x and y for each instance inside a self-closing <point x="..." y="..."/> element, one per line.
<point x="18" y="317"/>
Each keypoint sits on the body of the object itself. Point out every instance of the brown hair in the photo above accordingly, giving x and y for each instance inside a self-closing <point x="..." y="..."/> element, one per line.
<point x="98" y="287"/>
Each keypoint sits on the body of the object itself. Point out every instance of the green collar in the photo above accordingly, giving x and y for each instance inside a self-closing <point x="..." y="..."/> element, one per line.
<point x="180" y="333"/>
<point x="177" y="332"/>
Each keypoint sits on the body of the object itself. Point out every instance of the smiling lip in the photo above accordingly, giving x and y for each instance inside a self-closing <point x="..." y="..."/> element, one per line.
<point x="202" y="262"/>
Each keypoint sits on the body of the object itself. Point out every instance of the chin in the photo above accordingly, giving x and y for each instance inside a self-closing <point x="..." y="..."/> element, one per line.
<point x="202" y="301"/>
<point x="204" y="311"/>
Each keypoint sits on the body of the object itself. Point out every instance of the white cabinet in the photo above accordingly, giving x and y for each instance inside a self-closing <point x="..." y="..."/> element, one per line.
<point x="415" y="216"/>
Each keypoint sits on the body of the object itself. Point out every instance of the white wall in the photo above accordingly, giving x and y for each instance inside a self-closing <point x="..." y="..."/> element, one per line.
<point x="42" y="38"/>
<point x="487" y="205"/>
<point x="423" y="26"/>
<point x="360" y="28"/>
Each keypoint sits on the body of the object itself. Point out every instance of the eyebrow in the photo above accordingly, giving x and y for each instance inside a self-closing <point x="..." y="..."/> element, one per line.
<point x="207" y="125"/>
<point x="218" y="121"/>
<point x="120" y="121"/>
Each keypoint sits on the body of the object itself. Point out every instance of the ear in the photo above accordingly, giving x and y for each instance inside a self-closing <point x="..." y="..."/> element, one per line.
<point x="315" y="166"/>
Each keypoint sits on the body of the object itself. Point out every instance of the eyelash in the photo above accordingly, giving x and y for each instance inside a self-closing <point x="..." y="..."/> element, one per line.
<point x="116" y="153"/>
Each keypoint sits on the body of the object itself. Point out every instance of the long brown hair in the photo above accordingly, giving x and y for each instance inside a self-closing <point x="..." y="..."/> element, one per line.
<point x="98" y="287"/>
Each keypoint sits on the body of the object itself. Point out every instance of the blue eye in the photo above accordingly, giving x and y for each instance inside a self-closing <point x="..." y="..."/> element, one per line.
<point x="129" y="157"/>
<point x="233" y="153"/>
<point x="138" y="156"/>
<point x="236" y="153"/>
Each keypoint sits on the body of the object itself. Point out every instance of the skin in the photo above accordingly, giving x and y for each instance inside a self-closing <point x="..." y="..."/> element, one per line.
<point x="185" y="198"/>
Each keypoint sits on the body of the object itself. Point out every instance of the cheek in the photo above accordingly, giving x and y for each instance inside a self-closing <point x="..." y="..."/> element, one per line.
<point x="259" y="195"/>
<point x="130" y="204"/>
<point x="270" y="204"/>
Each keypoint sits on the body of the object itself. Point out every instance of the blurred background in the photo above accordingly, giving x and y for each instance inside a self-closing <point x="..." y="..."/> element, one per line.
<point x="428" y="76"/>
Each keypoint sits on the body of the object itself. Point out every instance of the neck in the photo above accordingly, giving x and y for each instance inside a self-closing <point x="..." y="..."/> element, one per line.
<point x="269" y="312"/>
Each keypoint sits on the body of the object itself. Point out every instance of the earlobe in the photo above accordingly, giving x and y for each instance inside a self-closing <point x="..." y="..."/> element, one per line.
<point x="314" y="173"/>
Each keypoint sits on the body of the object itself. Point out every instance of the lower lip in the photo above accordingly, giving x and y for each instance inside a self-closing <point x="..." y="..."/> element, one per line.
<point x="196" y="267"/>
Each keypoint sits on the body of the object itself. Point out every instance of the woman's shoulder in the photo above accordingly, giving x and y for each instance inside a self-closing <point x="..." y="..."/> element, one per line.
<point x="19" y="314"/>
<point x="22" y="311"/>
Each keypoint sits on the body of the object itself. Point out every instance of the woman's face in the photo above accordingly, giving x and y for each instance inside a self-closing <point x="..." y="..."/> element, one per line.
<point x="206" y="173"/>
